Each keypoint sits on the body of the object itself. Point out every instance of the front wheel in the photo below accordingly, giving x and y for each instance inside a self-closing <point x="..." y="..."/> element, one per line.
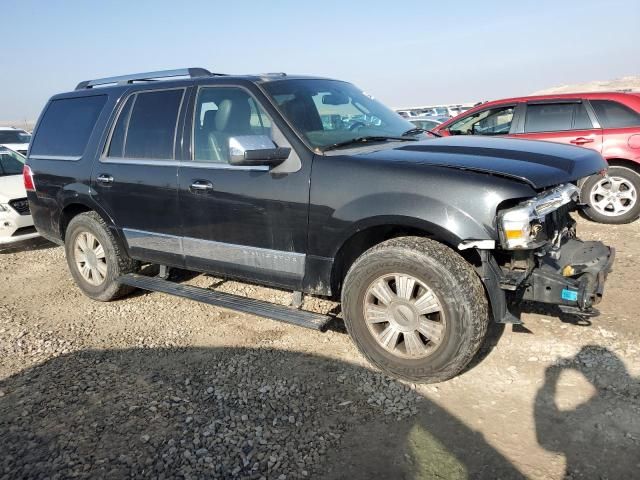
<point x="614" y="197"/>
<point x="415" y="309"/>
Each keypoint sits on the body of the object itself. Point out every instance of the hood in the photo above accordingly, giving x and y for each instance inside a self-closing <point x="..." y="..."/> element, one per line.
<point x="11" y="187"/>
<point x="540" y="164"/>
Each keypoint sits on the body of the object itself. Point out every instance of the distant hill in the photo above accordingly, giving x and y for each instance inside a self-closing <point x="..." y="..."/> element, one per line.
<point x="631" y="82"/>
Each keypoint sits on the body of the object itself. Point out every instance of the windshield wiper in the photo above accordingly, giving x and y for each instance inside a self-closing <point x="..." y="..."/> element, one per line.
<point x="416" y="131"/>
<point x="367" y="139"/>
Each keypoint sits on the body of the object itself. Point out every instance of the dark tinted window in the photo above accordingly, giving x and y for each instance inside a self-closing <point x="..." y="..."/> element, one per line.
<point x="116" y="147"/>
<point x="66" y="126"/>
<point x="10" y="163"/>
<point x="14" y="136"/>
<point x="152" y="125"/>
<point x="549" y="117"/>
<point x="581" y="120"/>
<point x="615" y="115"/>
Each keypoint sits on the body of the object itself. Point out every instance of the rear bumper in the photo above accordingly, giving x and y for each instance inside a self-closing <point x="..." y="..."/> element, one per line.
<point x="573" y="277"/>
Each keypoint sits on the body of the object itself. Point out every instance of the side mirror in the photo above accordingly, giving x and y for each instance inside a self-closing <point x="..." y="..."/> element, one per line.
<point x="250" y="150"/>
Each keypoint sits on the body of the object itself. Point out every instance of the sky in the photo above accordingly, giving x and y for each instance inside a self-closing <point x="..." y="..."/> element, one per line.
<point x="403" y="52"/>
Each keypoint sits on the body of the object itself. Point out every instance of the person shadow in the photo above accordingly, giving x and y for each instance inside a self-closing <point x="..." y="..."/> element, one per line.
<point x="228" y="413"/>
<point x="600" y="437"/>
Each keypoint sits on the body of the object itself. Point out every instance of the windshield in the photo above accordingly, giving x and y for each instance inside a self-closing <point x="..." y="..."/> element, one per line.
<point x="329" y="112"/>
<point x="14" y="136"/>
<point x="11" y="162"/>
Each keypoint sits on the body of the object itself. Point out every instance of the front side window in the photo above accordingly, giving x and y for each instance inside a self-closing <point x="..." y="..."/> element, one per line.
<point x="220" y="114"/>
<point x="493" y="121"/>
<point x="328" y="112"/>
<point x="615" y="115"/>
<point x="11" y="163"/>
<point x="66" y="126"/>
<point x="146" y="126"/>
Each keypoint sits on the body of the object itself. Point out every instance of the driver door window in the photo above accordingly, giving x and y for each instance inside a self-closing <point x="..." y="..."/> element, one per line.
<point x="222" y="113"/>
<point x="493" y="121"/>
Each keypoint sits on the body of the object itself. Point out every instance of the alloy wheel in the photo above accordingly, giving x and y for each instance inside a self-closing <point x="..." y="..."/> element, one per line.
<point x="613" y="196"/>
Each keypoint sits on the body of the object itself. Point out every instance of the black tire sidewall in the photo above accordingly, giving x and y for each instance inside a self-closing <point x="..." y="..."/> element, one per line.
<point x="443" y="284"/>
<point x="108" y="288"/>
<point x="617" y="171"/>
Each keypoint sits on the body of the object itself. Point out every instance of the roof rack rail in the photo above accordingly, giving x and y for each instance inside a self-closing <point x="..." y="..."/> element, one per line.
<point x="138" y="77"/>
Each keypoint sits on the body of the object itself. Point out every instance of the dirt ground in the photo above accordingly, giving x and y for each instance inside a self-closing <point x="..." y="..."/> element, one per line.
<point x="163" y="387"/>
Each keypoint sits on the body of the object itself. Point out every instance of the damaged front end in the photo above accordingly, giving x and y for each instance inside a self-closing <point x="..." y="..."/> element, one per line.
<point x="542" y="260"/>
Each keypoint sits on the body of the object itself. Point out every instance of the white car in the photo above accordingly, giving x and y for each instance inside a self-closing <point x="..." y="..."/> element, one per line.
<point x="15" y="139"/>
<point x="16" y="223"/>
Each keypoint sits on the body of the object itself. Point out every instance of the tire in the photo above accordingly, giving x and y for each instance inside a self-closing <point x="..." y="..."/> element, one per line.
<point x="101" y="284"/>
<point x="630" y="188"/>
<point x="464" y="315"/>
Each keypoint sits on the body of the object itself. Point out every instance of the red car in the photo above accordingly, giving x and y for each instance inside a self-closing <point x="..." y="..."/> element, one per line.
<point x="606" y="122"/>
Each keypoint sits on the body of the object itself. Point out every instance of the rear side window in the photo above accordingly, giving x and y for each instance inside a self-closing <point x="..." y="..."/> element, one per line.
<point x="615" y="115"/>
<point x="66" y="126"/>
<point x="549" y="117"/>
<point x="146" y="126"/>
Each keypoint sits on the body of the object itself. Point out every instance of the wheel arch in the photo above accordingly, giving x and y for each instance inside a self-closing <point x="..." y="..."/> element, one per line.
<point x="372" y="232"/>
<point x="624" y="162"/>
<point x="76" y="207"/>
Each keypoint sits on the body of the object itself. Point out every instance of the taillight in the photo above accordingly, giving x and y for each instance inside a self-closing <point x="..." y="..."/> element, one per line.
<point x="27" y="176"/>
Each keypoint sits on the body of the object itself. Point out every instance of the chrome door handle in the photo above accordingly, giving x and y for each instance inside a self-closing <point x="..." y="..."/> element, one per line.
<point x="201" y="186"/>
<point x="104" y="178"/>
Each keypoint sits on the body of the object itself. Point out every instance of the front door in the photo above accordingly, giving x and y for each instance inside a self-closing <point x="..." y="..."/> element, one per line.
<point x="136" y="179"/>
<point x="245" y="222"/>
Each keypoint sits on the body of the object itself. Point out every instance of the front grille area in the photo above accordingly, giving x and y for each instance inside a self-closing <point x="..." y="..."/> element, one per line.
<point x="20" y="205"/>
<point x="24" y="231"/>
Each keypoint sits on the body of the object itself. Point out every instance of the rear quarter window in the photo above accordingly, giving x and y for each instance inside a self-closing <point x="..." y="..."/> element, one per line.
<point x="66" y="126"/>
<point x="615" y="115"/>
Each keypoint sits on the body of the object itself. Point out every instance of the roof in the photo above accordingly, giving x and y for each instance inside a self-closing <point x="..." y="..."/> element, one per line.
<point x="568" y="96"/>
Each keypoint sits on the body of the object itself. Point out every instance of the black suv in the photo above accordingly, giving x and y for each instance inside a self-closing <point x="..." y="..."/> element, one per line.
<point x="311" y="185"/>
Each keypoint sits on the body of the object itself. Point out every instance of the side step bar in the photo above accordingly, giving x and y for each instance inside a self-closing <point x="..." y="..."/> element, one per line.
<point x="302" y="318"/>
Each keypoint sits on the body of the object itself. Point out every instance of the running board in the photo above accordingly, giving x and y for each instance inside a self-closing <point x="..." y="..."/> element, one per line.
<point x="302" y="318"/>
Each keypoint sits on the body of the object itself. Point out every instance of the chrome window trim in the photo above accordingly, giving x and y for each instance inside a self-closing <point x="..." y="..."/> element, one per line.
<point x="179" y="163"/>
<point x="55" y="157"/>
<point x="104" y="158"/>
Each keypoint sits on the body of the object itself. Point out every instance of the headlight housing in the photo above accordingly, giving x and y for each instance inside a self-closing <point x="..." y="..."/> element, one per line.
<point x="518" y="226"/>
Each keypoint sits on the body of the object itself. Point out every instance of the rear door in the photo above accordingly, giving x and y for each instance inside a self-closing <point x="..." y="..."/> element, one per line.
<point x="566" y="121"/>
<point x="136" y="179"/>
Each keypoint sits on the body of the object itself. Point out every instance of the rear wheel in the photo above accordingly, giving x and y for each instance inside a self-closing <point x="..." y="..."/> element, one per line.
<point x="613" y="198"/>
<point x="95" y="259"/>
<point x="415" y="309"/>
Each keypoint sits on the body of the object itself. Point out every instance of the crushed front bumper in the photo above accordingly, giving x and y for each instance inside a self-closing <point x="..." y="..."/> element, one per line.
<point x="572" y="276"/>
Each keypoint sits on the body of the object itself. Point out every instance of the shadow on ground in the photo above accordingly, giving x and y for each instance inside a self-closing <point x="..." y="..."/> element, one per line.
<point x="248" y="413"/>
<point x="229" y="413"/>
<point x="600" y="437"/>
<point x="37" y="243"/>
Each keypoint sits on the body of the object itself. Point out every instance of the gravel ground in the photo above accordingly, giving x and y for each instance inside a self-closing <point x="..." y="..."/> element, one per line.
<point x="163" y="387"/>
